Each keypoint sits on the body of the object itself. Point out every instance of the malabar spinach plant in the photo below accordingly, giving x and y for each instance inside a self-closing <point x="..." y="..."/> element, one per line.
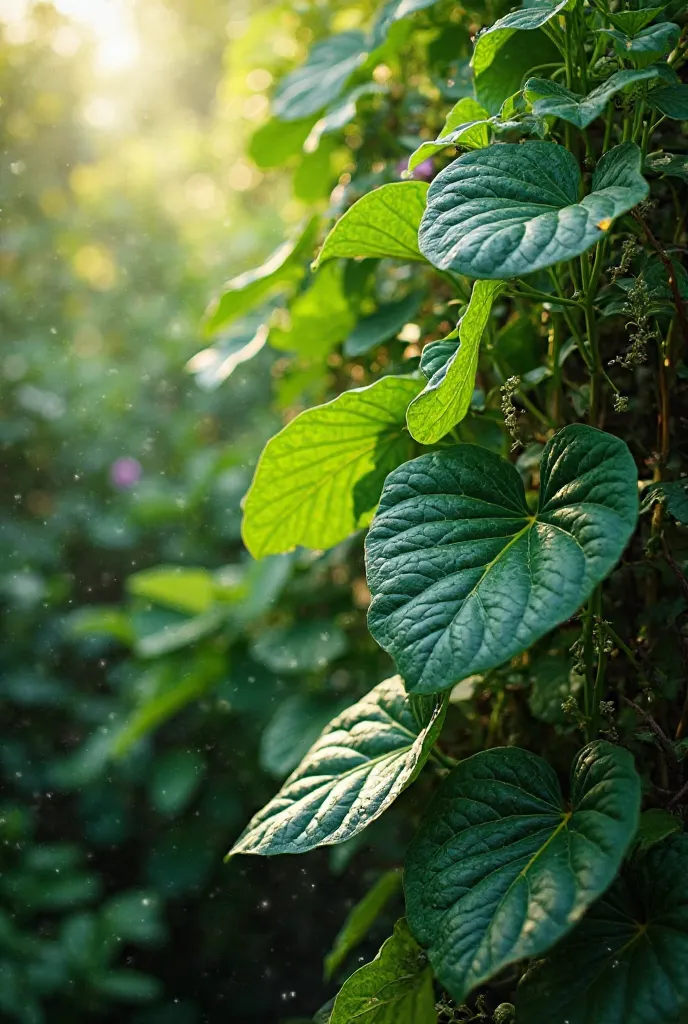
<point x="517" y="457"/>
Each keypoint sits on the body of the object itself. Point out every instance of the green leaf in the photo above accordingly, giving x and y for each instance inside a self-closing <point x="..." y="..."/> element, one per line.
<point x="509" y="210"/>
<point x="395" y="988"/>
<point x="319" y="479"/>
<point x="213" y="365"/>
<point x="360" y="920"/>
<point x="293" y="730"/>
<point x="464" y="576"/>
<point x="318" y="319"/>
<point x="175" y="779"/>
<point x="654" y="826"/>
<point x="304" y="647"/>
<point x="382" y="223"/>
<point x="674" y="165"/>
<point x="321" y="78"/>
<point x="355" y="770"/>
<point x="552" y="98"/>
<point x="174" y="586"/>
<point x="527" y="19"/>
<point x="637" y="16"/>
<point x="128" y="986"/>
<point x="502" y="867"/>
<point x="391" y="13"/>
<point x="275" y="142"/>
<point x="339" y="114"/>
<point x="626" y="961"/>
<point x="446" y="398"/>
<point x="465" y="124"/>
<point x="648" y="44"/>
<point x="552" y="681"/>
<point x="517" y="57"/>
<point x="281" y="271"/>
<point x="101" y="620"/>
<point x="383" y="324"/>
<point x="671" y="100"/>
<point x="674" y="494"/>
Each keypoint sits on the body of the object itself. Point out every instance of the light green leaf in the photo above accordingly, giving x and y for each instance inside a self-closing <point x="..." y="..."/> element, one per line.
<point x="318" y="319"/>
<point x="464" y="576"/>
<point x="395" y="988"/>
<point x="648" y="44"/>
<point x="282" y="271"/>
<point x="360" y="920"/>
<point x="358" y="767"/>
<point x="383" y="324"/>
<point x="509" y="210"/>
<point x="382" y="223"/>
<point x="339" y="114"/>
<point x="175" y="586"/>
<point x="303" y="647"/>
<point x="671" y="100"/>
<point x="292" y="731"/>
<point x="173" y="636"/>
<point x="502" y="867"/>
<point x="527" y="19"/>
<point x="654" y="826"/>
<point x="626" y="962"/>
<point x="552" y="98"/>
<point x="321" y="78"/>
<point x="275" y="142"/>
<point x="101" y="620"/>
<point x="319" y="479"/>
<point x="465" y="125"/>
<point x="446" y="398"/>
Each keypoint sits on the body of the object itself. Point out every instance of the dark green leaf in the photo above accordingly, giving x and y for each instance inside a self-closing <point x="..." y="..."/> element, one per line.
<point x="626" y="961"/>
<point x="395" y="988"/>
<point x="635" y="17"/>
<point x="671" y="100"/>
<point x="319" y="80"/>
<point x="383" y="324"/>
<point x="552" y="681"/>
<point x="382" y="223"/>
<point x="304" y="647"/>
<point x="464" y="576"/>
<point x="361" y="919"/>
<point x="654" y="826"/>
<point x="358" y="767"/>
<point x="648" y="44"/>
<point x="508" y="210"/>
<point x="517" y="57"/>
<point x="675" y="165"/>
<point x="175" y="779"/>
<point x="502" y="867"/>
<point x="447" y="396"/>
<point x="319" y="479"/>
<point x="552" y="98"/>
<point x="293" y="729"/>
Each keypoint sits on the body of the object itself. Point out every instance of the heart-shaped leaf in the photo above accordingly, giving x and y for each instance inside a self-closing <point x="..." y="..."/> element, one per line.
<point x="502" y="867"/>
<point x="549" y="97"/>
<point x="395" y="988"/>
<point x="527" y="19"/>
<point x="282" y="270"/>
<point x="671" y="100"/>
<point x="353" y="772"/>
<point x="321" y="78"/>
<point x="464" y="576"/>
<point x="626" y="962"/>
<point x="382" y="223"/>
<point x="319" y="479"/>
<point x="447" y="397"/>
<point x="508" y="210"/>
<point x="466" y="124"/>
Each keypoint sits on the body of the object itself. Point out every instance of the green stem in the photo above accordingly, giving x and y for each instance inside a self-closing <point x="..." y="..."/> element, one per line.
<point x="532" y="408"/>
<point x="618" y="642"/>
<point x="534" y="293"/>
<point x="444" y="759"/>
<point x="608" y="125"/>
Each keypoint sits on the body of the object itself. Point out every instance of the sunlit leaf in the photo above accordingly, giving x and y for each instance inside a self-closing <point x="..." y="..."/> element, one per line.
<point x="465" y="125"/>
<point x="319" y="318"/>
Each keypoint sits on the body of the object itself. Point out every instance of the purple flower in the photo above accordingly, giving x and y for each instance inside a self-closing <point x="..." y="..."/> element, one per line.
<point x="425" y="171"/>
<point x="125" y="472"/>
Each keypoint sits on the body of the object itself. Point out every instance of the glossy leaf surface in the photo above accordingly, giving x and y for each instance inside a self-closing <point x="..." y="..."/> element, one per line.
<point x="502" y="867"/>
<point x="626" y="962"/>
<point x="509" y="210"/>
<point x="464" y="576"/>
<point x="320" y="478"/>
<point x="549" y="97"/>
<point x="354" y="771"/>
